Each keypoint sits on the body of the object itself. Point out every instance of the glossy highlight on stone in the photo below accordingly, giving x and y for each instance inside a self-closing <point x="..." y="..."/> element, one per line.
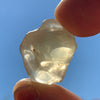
<point x="47" y="52"/>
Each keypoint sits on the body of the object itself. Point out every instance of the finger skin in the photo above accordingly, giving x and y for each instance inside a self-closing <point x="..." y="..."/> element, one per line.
<point x="28" y="90"/>
<point x="80" y="17"/>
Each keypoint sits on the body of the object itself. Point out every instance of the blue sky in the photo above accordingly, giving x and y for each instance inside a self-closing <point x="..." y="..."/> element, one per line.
<point x="17" y="17"/>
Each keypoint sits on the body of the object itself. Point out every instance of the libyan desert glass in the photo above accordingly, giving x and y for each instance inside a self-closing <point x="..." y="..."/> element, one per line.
<point x="47" y="52"/>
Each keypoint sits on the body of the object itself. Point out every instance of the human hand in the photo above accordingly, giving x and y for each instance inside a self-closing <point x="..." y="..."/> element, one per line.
<point x="28" y="90"/>
<point x="74" y="21"/>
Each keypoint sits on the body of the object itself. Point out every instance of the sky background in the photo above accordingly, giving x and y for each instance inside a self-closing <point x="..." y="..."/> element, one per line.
<point x="17" y="17"/>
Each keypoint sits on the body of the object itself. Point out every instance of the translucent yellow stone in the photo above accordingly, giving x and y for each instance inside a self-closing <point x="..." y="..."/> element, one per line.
<point x="47" y="52"/>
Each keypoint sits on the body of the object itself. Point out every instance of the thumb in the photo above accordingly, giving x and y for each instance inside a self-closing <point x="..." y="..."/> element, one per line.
<point x="28" y="90"/>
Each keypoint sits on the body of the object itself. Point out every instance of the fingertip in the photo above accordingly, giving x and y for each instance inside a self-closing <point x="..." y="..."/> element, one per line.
<point x="28" y="90"/>
<point x="79" y="17"/>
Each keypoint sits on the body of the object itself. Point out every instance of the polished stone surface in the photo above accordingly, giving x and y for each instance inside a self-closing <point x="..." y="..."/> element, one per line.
<point x="47" y="52"/>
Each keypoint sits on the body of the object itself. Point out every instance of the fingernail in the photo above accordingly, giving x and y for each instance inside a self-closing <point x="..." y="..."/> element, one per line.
<point x="26" y="92"/>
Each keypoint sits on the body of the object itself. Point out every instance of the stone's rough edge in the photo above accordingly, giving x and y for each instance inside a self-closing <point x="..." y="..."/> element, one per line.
<point x="48" y="22"/>
<point x="33" y="31"/>
<point x="28" y="33"/>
